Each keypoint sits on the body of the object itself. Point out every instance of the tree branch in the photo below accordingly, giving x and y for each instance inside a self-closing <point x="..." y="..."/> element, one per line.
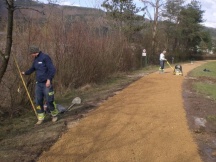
<point x="1" y="55"/>
<point x="29" y="8"/>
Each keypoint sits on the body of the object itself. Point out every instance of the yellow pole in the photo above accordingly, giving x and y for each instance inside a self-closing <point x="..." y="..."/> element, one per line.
<point x="170" y="65"/>
<point x="25" y="85"/>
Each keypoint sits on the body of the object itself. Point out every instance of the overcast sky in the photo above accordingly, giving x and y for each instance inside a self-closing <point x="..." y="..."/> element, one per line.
<point x="209" y="6"/>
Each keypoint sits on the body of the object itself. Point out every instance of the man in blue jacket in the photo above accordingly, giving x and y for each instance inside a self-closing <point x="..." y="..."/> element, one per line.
<point x="45" y="72"/>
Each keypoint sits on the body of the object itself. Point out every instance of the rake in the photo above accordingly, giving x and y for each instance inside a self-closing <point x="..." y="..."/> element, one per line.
<point x="75" y="101"/>
<point x="169" y="65"/>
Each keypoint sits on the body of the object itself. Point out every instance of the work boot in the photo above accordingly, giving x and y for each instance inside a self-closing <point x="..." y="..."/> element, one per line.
<point x="54" y="119"/>
<point x="39" y="122"/>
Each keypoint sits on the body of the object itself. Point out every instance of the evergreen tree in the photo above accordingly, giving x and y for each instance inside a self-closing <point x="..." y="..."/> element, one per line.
<point x="183" y="26"/>
<point x="171" y="15"/>
<point x="190" y="27"/>
<point x="124" y="12"/>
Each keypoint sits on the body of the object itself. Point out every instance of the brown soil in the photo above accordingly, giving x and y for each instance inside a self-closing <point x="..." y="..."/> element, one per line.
<point x="149" y="120"/>
<point x="202" y="107"/>
<point x="144" y="122"/>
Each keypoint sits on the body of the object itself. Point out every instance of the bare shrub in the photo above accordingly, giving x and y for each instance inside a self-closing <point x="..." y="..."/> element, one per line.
<point x="84" y="52"/>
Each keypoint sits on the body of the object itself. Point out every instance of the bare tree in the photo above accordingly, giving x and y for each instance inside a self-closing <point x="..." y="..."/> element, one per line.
<point x="156" y="5"/>
<point x="6" y="54"/>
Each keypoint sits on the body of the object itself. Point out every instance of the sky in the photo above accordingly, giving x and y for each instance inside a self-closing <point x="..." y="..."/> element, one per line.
<point x="209" y="6"/>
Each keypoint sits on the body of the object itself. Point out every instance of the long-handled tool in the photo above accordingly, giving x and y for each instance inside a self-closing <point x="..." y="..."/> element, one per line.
<point x="169" y="65"/>
<point x="76" y="100"/>
<point x="24" y="85"/>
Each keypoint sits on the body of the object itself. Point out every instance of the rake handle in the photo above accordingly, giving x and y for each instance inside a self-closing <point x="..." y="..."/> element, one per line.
<point x="24" y="85"/>
<point x="169" y="65"/>
<point x="70" y="106"/>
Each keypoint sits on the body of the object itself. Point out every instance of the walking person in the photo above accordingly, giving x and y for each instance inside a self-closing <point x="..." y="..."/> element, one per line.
<point x="45" y="72"/>
<point x="162" y="61"/>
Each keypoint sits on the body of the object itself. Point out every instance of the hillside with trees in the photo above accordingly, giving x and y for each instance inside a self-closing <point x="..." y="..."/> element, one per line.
<point x="90" y="45"/>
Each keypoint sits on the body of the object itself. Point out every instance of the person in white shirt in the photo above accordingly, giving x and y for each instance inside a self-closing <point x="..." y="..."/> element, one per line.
<point x="162" y="60"/>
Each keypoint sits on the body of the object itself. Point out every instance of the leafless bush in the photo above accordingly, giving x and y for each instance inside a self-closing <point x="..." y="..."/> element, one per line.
<point x="83" y="52"/>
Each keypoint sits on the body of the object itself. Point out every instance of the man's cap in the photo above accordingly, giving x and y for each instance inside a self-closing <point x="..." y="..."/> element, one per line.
<point x="33" y="49"/>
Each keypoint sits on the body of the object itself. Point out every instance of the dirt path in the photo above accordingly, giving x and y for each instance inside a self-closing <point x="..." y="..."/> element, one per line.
<point x="145" y="122"/>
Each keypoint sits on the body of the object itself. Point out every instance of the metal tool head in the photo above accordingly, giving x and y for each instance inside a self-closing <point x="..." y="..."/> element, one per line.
<point x="76" y="100"/>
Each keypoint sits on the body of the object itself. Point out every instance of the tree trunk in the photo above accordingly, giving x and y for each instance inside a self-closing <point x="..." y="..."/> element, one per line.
<point x="5" y="56"/>
<point x="154" y="29"/>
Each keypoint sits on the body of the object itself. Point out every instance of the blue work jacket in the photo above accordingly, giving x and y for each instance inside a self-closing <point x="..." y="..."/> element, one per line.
<point x="43" y="67"/>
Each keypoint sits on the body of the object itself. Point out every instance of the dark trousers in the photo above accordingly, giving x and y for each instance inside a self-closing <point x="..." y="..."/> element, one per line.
<point x="41" y="92"/>
<point x="161" y="64"/>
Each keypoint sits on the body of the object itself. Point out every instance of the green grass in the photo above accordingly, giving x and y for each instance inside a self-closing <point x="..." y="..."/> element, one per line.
<point x="198" y="72"/>
<point x="205" y="89"/>
<point x="203" y="86"/>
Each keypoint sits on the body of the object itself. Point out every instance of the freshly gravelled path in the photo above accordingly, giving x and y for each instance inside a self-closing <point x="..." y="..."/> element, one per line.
<point x="145" y="122"/>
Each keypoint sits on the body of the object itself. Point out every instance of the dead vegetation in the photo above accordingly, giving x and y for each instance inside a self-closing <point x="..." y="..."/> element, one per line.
<point x="17" y="135"/>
